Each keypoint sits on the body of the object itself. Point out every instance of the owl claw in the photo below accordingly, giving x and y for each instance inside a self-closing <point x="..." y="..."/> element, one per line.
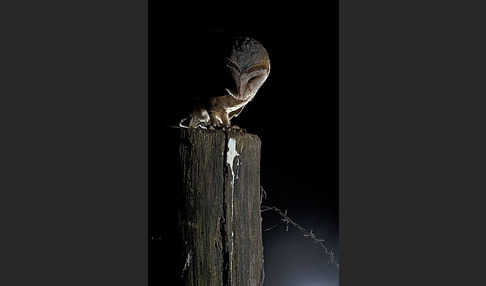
<point x="237" y="128"/>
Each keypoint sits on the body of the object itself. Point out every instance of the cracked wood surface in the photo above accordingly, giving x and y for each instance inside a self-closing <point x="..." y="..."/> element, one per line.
<point x="219" y="217"/>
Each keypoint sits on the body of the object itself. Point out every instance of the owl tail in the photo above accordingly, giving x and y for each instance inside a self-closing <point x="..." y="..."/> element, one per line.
<point x="181" y="125"/>
<point x="192" y="124"/>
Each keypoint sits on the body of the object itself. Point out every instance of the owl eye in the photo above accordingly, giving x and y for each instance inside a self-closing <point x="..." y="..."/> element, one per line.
<point x="253" y="79"/>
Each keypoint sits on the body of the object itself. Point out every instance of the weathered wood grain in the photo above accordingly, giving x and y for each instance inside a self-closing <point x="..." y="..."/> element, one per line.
<point x="219" y="218"/>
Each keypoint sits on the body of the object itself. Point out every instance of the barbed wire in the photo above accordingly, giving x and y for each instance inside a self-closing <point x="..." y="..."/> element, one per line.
<point x="286" y="220"/>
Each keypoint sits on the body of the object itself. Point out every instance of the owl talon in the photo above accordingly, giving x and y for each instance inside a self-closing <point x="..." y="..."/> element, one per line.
<point x="237" y="128"/>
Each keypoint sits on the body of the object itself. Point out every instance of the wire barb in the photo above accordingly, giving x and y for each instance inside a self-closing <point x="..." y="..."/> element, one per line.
<point x="285" y="219"/>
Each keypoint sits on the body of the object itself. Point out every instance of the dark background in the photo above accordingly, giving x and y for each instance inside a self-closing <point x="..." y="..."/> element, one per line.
<point x="295" y="114"/>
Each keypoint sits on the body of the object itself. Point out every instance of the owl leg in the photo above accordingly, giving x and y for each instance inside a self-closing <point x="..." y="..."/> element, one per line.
<point x="235" y="114"/>
<point x="215" y="120"/>
<point x="226" y="120"/>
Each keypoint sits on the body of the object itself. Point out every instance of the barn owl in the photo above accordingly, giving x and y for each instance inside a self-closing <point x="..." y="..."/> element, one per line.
<point x="248" y="64"/>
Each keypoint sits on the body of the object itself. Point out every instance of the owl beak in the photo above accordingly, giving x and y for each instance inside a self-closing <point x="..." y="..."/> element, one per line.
<point x="242" y="87"/>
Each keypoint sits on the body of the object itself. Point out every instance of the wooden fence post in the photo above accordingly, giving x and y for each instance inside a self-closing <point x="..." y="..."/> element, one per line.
<point x="219" y="219"/>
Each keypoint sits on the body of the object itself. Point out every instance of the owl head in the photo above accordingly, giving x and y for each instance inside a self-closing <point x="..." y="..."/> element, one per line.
<point x="248" y="64"/>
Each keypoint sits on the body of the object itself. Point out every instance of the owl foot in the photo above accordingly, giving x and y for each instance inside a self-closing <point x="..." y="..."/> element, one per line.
<point x="237" y="128"/>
